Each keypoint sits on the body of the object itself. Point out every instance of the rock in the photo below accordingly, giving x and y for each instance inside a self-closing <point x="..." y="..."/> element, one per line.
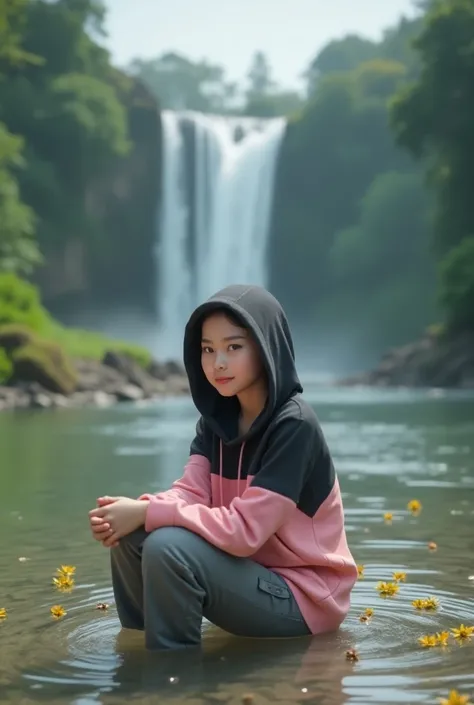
<point x="130" y="392"/>
<point x="131" y="370"/>
<point x="41" y="401"/>
<point x="46" y="363"/>
<point x="432" y="361"/>
<point x="163" y="370"/>
<point x="13" y="336"/>
<point x="93" y="376"/>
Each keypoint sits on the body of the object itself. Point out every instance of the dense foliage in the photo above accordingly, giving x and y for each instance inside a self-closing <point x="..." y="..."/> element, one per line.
<point x="373" y="224"/>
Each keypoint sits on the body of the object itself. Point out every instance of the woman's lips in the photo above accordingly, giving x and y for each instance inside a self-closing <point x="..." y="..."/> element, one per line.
<point x="223" y="380"/>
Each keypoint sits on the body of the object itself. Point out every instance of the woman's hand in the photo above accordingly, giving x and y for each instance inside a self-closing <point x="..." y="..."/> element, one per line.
<point x="116" y="517"/>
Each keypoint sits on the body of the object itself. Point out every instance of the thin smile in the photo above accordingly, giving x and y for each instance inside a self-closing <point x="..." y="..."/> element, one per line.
<point x="223" y="380"/>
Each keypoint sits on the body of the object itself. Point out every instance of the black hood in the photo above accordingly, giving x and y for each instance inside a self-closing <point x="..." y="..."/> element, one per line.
<point x="261" y="313"/>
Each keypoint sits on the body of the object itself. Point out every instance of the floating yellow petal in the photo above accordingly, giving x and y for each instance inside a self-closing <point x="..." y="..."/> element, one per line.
<point x="3" y="613"/>
<point x="64" y="583"/>
<point x="419" y="604"/>
<point x="66" y="570"/>
<point x="368" y="611"/>
<point x="432" y="546"/>
<point x="430" y="603"/>
<point x="428" y="640"/>
<point x="442" y="638"/>
<point x="57" y="612"/>
<point x="387" y="589"/>
<point x="399" y="577"/>
<point x="388" y="516"/>
<point x="414" y="506"/>
<point x="455" y="699"/>
<point x="360" y="571"/>
<point x="463" y="632"/>
<point x="102" y="606"/>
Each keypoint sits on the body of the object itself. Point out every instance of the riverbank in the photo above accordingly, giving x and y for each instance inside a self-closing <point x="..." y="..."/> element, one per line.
<point x="434" y="360"/>
<point x="116" y="378"/>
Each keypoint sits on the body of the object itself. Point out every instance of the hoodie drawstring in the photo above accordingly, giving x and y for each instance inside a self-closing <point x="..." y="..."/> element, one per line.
<point x="239" y="470"/>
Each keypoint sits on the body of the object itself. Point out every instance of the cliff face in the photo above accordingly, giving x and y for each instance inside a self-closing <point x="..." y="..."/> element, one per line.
<point x="116" y="264"/>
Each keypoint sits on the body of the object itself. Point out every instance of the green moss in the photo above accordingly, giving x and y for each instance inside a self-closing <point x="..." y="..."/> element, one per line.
<point x="83" y="343"/>
<point x="21" y="309"/>
<point x="45" y="362"/>
<point x="5" y="366"/>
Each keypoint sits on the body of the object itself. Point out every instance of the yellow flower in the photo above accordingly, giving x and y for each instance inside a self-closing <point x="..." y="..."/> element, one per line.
<point x="68" y="570"/>
<point x="3" y="613"/>
<point x="388" y="516"/>
<point x="64" y="583"/>
<point x="432" y="546"/>
<point x="387" y="589"/>
<point x="57" y="611"/>
<point x="399" y="577"/>
<point x="368" y="611"/>
<point x="442" y="638"/>
<point x="428" y="640"/>
<point x="455" y="699"/>
<point x="360" y="571"/>
<point x="463" y="632"/>
<point x="431" y="603"/>
<point x="414" y="506"/>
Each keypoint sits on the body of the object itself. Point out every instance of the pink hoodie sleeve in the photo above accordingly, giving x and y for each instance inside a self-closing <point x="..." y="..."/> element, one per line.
<point x="194" y="487"/>
<point x="242" y="528"/>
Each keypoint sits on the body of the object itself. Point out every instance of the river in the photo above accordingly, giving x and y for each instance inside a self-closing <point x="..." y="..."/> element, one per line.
<point x="389" y="447"/>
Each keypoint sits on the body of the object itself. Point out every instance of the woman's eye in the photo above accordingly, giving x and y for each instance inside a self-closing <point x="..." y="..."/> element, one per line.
<point x="206" y="350"/>
<point x="234" y="346"/>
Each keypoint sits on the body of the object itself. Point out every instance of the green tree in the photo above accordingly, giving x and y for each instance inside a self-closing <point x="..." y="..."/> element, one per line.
<point x="432" y="117"/>
<point x="339" y="55"/>
<point x="457" y="286"/>
<point x="181" y="84"/>
<point x="18" y="246"/>
<point x="70" y="114"/>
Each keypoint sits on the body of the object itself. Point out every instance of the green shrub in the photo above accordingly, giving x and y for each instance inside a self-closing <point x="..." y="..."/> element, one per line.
<point x="457" y="286"/>
<point x="20" y="303"/>
<point x="5" y="366"/>
<point x="21" y="308"/>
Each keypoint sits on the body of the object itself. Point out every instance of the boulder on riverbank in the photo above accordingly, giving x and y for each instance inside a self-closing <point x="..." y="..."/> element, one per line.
<point x="435" y="360"/>
<point x="51" y="379"/>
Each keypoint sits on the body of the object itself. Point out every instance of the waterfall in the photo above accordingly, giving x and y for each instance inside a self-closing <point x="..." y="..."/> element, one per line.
<point x="217" y="189"/>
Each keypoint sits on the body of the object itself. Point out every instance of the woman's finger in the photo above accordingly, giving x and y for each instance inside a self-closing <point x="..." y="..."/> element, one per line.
<point x="111" y="540"/>
<point x="101" y="528"/>
<point x="103" y="501"/>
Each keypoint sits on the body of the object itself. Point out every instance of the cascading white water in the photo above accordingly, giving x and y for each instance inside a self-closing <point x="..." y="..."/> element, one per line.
<point x="218" y="182"/>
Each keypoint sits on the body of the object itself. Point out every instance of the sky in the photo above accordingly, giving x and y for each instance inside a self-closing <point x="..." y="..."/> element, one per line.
<point x="228" y="32"/>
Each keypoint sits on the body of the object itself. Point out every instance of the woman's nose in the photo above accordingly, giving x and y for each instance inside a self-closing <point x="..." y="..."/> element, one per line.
<point x="221" y="361"/>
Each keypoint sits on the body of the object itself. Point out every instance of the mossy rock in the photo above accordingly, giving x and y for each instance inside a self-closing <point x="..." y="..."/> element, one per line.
<point x="13" y="336"/>
<point x="46" y="363"/>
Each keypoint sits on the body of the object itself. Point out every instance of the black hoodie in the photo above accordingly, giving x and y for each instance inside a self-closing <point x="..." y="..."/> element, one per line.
<point x="217" y="433"/>
<point x="263" y="316"/>
<point x="272" y="493"/>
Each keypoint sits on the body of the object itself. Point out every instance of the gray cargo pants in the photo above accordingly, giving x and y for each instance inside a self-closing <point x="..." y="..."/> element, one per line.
<point x="166" y="581"/>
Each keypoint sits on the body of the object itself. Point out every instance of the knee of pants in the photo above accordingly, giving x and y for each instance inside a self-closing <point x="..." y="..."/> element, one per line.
<point x="162" y="543"/>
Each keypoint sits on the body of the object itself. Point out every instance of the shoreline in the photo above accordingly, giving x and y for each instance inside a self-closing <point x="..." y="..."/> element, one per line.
<point x="433" y="361"/>
<point x="115" y="379"/>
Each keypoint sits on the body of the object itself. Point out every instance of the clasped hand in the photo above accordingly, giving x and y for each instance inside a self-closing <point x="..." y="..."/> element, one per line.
<point x="115" y="517"/>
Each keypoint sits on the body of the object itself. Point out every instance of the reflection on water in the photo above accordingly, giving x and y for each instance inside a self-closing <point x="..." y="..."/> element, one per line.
<point x="389" y="447"/>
